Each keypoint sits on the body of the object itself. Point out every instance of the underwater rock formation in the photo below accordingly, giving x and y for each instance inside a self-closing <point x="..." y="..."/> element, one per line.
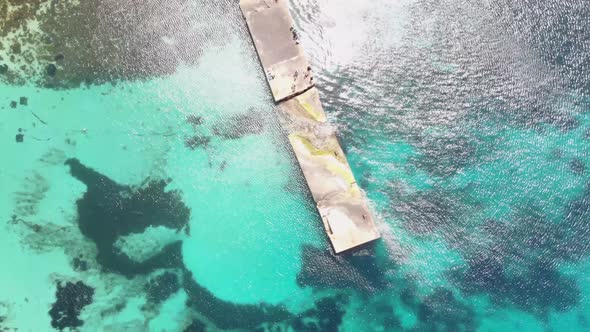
<point x="426" y="212"/>
<point x="109" y="210"/>
<point x="522" y="272"/>
<point x="71" y="299"/>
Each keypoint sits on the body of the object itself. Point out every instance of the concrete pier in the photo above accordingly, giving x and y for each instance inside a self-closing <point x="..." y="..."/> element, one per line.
<point x="340" y="202"/>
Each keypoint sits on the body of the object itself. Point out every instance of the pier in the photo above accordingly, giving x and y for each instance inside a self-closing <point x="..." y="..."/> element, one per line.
<point x="340" y="202"/>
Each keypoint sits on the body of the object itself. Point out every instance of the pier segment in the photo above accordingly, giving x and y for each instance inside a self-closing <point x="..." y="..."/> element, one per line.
<point x="340" y="202"/>
<point x="285" y="64"/>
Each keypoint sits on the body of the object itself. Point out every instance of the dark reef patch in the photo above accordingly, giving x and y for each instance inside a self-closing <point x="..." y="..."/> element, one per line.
<point x="408" y="298"/>
<point x="532" y="235"/>
<point x="518" y="266"/>
<point x="71" y="299"/>
<point x="51" y="70"/>
<point x="426" y="211"/>
<point x="577" y="166"/>
<point x="197" y="141"/>
<point x="326" y="315"/>
<point x="109" y="210"/>
<point x="537" y="288"/>
<point x="196" y="326"/>
<point x="16" y="48"/>
<point x="514" y="260"/>
<point x="227" y="315"/>
<point x="194" y="120"/>
<point x="79" y="264"/>
<point x="441" y="311"/>
<point x="223" y="166"/>
<point x="159" y="36"/>
<point x="161" y="287"/>
<point x="238" y="126"/>
<point x="445" y="155"/>
<point x="322" y="269"/>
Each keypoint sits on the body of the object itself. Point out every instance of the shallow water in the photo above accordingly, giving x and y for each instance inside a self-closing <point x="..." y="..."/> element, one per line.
<point x="154" y="189"/>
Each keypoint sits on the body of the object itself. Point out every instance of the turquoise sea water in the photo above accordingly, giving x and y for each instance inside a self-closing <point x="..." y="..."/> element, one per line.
<point x="162" y="195"/>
